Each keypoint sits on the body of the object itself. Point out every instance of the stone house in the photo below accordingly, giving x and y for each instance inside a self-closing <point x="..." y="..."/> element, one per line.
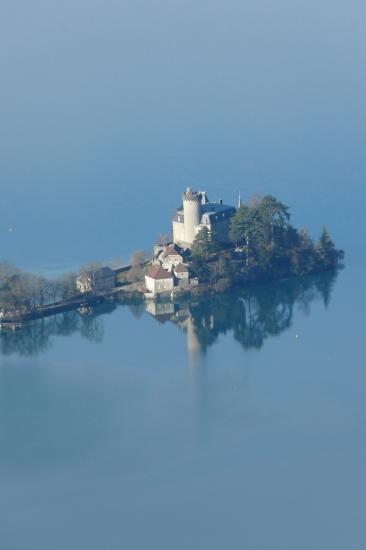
<point x="96" y="281"/>
<point x="181" y="272"/>
<point x="170" y="257"/>
<point x="158" y="280"/>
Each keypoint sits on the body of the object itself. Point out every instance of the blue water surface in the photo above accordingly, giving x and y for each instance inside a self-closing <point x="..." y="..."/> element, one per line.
<point x="234" y="424"/>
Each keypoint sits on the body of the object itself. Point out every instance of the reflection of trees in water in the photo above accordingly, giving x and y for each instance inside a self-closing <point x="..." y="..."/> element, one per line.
<point x="258" y="312"/>
<point x="252" y="314"/>
<point x="137" y="310"/>
<point x="35" y="337"/>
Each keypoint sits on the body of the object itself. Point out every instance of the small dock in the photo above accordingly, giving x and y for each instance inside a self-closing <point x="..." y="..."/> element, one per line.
<point x="16" y="322"/>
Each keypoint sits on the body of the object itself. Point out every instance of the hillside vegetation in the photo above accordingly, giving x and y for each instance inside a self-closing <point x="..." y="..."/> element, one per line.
<point x="263" y="245"/>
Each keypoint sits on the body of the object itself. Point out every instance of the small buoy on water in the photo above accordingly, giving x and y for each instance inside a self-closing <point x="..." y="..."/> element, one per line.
<point x="297" y="336"/>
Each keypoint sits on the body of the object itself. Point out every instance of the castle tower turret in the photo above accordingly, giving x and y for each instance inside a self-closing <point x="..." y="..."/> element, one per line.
<point x="192" y="211"/>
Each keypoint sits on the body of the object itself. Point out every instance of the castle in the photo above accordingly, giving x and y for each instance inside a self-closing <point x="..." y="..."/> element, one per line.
<point x="167" y="269"/>
<point x="197" y="212"/>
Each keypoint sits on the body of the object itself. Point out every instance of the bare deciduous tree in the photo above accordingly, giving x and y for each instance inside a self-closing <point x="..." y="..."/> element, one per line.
<point x="136" y="273"/>
<point x="138" y="257"/>
<point x="67" y="285"/>
<point x="162" y="239"/>
<point x="91" y="266"/>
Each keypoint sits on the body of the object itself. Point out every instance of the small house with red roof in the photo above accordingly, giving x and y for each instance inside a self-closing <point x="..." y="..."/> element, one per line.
<point x="158" y="280"/>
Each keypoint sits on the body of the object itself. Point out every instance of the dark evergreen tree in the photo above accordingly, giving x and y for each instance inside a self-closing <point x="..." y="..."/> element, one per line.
<point x="246" y="225"/>
<point x="327" y="254"/>
<point x="203" y="245"/>
<point x="272" y="248"/>
<point x="274" y="218"/>
<point x="304" y="257"/>
<point x="200" y="269"/>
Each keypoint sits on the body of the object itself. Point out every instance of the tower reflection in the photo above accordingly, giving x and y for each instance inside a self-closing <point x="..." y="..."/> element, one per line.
<point x="252" y="315"/>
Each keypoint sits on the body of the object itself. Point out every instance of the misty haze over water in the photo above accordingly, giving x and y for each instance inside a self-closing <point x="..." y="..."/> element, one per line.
<point x="110" y="109"/>
<point x="238" y="423"/>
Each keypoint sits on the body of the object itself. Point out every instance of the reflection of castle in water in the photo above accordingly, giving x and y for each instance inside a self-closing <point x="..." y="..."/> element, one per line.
<point x="253" y="314"/>
<point x="181" y="316"/>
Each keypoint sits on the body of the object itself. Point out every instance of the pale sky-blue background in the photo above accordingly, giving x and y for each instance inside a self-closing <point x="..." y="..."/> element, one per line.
<point x="108" y="109"/>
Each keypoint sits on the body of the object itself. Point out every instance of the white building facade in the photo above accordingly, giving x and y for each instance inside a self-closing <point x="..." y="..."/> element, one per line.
<point x="158" y="280"/>
<point x="198" y="212"/>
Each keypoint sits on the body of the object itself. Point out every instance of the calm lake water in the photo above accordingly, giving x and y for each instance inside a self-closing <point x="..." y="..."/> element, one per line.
<point x="230" y="423"/>
<point x="236" y="422"/>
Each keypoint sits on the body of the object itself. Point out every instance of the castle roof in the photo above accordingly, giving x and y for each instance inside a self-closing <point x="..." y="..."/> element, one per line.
<point x="157" y="272"/>
<point x="211" y="213"/>
<point x="214" y="212"/>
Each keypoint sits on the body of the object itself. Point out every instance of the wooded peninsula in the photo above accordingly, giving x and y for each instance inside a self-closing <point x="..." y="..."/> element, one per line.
<point x="261" y="245"/>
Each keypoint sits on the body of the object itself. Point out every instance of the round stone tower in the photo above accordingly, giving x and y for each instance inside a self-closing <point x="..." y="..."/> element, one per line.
<point x="192" y="211"/>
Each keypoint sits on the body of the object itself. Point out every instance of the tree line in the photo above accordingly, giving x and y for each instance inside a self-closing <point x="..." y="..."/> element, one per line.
<point x="24" y="292"/>
<point x="263" y="245"/>
<point x="21" y="291"/>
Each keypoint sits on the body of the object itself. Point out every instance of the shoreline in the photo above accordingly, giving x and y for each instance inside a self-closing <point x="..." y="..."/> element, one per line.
<point x="123" y="296"/>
